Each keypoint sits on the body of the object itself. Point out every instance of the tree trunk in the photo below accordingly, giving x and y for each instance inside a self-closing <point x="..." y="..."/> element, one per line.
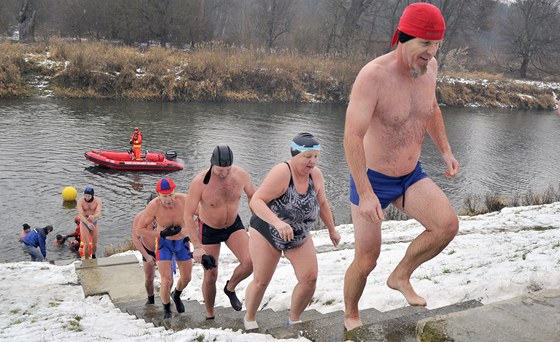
<point x="357" y="8"/>
<point x="26" y="21"/>
<point x="523" y="68"/>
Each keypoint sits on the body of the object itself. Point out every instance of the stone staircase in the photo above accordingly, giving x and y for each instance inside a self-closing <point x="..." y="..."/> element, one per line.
<point x="394" y="325"/>
<point x="537" y="317"/>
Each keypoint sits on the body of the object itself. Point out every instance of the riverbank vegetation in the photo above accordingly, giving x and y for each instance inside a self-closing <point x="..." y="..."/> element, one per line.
<point x="495" y="53"/>
<point x="219" y="73"/>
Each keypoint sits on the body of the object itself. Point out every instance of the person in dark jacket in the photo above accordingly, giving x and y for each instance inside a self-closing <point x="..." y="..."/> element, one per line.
<point x="34" y="243"/>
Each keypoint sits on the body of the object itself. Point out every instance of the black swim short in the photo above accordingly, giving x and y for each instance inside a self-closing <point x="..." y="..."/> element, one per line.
<point x="152" y="253"/>
<point x="213" y="236"/>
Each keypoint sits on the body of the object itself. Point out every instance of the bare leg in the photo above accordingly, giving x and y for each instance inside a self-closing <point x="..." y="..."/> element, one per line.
<point x="304" y="262"/>
<point x="94" y="235"/>
<point x="429" y="205"/>
<point x="265" y="259"/>
<point x="367" y="236"/>
<point x="209" y="280"/>
<point x="185" y="273"/>
<point x="149" y="274"/>
<point x="238" y="243"/>
<point x="164" y="267"/>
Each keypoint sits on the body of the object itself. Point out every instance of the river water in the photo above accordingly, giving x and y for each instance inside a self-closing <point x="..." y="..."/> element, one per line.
<point x="43" y="141"/>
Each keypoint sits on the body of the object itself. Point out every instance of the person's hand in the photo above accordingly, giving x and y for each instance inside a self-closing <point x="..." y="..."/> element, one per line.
<point x="335" y="237"/>
<point x="198" y="253"/>
<point x="170" y="231"/>
<point x="285" y="231"/>
<point x="150" y="259"/>
<point x="370" y="208"/>
<point x="452" y="166"/>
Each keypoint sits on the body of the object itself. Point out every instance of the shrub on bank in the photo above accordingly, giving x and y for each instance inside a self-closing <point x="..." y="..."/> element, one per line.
<point x="211" y="73"/>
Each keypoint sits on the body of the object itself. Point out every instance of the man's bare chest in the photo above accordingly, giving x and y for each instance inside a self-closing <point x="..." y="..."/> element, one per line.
<point x="89" y="207"/>
<point x="227" y="192"/>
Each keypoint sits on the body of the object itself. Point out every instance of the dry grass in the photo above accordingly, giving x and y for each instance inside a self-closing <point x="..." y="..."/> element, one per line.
<point x="219" y="73"/>
<point x="12" y="68"/>
<point x="213" y="72"/>
<point x="127" y="245"/>
<point x="472" y="204"/>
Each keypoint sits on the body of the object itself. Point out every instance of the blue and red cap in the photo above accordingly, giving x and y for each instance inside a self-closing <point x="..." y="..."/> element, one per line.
<point x="165" y="186"/>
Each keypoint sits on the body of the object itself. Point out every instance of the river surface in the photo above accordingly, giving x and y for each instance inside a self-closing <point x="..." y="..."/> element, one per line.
<point x="43" y="141"/>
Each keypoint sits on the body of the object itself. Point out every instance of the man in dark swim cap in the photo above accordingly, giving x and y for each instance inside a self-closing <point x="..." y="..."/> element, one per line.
<point x="222" y="156"/>
<point x="216" y="193"/>
<point x="89" y="211"/>
<point x="392" y="106"/>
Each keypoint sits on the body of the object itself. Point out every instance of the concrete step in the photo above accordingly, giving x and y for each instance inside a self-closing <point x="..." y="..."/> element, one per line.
<point x="331" y="326"/>
<point x="534" y="317"/>
<point x="402" y="328"/>
<point x="122" y="278"/>
<point x="195" y="316"/>
<point x="317" y="326"/>
<point x="154" y="313"/>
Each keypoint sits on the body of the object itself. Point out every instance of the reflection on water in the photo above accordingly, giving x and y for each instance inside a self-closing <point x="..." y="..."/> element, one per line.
<point x="43" y="142"/>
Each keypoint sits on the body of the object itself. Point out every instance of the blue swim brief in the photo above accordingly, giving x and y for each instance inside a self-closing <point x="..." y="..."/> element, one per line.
<point x="167" y="248"/>
<point x="386" y="188"/>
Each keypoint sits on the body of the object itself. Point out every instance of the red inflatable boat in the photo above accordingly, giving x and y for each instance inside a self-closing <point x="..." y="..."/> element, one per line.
<point x="152" y="161"/>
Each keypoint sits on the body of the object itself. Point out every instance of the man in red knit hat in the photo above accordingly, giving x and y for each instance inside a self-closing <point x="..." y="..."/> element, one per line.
<point x="392" y="107"/>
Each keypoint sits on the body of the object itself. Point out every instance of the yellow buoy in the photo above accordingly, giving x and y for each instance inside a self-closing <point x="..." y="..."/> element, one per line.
<point x="69" y="193"/>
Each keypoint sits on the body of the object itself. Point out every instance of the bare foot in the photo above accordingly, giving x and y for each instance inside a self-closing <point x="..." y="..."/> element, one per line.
<point x="404" y="287"/>
<point x="350" y="323"/>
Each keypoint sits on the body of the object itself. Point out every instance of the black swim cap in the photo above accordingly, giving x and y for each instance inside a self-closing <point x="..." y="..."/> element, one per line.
<point x="222" y="156"/>
<point x="89" y="191"/>
<point x="304" y="142"/>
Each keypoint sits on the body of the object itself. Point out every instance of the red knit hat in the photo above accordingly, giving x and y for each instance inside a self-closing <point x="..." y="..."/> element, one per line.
<point x="421" y="20"/>
<point x="165" y="186"/>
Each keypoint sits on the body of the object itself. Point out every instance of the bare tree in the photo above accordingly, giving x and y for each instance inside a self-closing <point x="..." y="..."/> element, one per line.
<point x="351" y="19"/>
<point x="8" y="15"/>
<point x="26" y="21"/>
<point x="464" y="20"/>
<point x="273" y="18"/>
<point x="532" y="33"/>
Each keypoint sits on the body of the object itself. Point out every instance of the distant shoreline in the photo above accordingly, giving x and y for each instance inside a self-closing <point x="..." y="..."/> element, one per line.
<point x="97" y="70"/>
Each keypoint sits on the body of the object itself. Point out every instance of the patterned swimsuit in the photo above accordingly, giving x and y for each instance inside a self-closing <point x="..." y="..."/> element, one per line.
<point x="299" y="211"/>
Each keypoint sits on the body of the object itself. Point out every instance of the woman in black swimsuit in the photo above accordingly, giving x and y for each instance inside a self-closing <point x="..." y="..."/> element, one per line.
<point x="285" y="207"/>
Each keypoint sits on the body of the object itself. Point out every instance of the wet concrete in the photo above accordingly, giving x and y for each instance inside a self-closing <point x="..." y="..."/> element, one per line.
<point x="121" y="277"/>
<point x="534" y="317"/>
